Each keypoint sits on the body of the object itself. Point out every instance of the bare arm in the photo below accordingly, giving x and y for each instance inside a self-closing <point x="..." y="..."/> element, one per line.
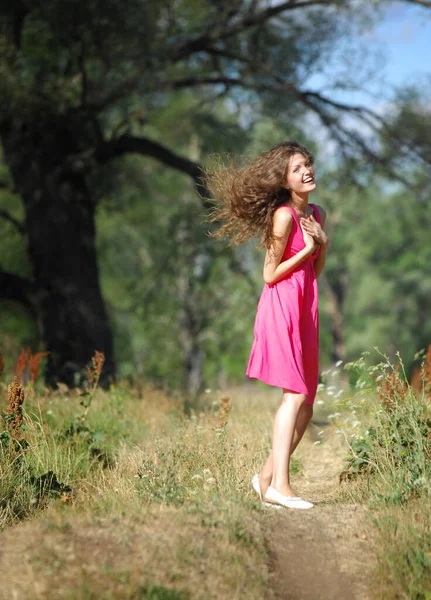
<point x="273" y="269"/>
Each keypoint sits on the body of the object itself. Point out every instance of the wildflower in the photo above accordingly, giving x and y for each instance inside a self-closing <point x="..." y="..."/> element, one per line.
<point x="391" y="389"/>
<point x="422" y="377"/>
<point x="21" y="363"/>
<point x="98" y="360"/>
<point x="338" y="363"/>
<point x="16" y="399"/>
<point x="211" y="480"/>
<point x="206" y="471"/>
<point x="223" y="412"/>
<point x="93" y="373"/>
<point x="320" y="402"/>
<point x="316" y="443"/>
<point x="34" y="362"/>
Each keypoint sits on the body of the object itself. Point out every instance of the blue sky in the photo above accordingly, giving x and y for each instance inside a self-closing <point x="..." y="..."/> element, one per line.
<point x="398" y="48"/>
<point x="404" y="35"/>
<point x="395" y="52"/>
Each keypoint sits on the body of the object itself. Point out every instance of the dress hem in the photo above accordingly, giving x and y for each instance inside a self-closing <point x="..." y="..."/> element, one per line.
<point x="280" y="385"/>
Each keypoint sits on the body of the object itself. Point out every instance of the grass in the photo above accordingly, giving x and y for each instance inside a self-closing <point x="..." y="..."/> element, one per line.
<point x="404" y="550"/>
<point x="119" y="494"/>
<point x="388" y="427"/>
<point x="167" y="512"/>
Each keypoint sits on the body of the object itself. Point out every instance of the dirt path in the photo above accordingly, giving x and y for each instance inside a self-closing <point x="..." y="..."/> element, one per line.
<point x="325" y="553"/>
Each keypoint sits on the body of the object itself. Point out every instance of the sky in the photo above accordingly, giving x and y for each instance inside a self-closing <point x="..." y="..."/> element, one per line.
<point x="405" y="37"/>
<point x="402" y="40"/>
<point x="399" y="46"/>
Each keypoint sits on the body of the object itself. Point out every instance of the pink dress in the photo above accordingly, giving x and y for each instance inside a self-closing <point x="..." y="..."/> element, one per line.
<point x="285" y="351"/>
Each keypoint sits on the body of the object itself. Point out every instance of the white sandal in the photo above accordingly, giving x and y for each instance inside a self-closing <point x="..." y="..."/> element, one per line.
<point x="256" y="486"/>
<point x="287" y="501"/>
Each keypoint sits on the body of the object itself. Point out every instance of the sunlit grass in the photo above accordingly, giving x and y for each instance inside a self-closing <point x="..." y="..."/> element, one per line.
<point x="387" y="426"/>
<point x="181" y="484"/>
<point x="149" y="498"/>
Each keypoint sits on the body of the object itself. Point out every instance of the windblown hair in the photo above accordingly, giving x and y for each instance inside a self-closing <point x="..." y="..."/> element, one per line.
<point x="247" y="196"/>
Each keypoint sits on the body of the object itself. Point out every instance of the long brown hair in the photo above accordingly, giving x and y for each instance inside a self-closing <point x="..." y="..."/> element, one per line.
<point x="246" y="197"/>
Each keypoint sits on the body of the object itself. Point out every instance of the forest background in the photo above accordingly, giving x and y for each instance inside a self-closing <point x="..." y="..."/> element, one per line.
<point x="108" y="113"/>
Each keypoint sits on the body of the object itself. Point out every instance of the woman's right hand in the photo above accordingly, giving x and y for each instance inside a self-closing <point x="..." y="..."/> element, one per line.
<point x="310" y="242"/>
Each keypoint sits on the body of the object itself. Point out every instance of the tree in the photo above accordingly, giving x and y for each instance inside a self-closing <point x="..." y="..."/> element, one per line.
<point x="84" y="83"/>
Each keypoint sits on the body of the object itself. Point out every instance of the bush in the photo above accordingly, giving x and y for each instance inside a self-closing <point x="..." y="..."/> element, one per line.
<point x="394" y="438"/>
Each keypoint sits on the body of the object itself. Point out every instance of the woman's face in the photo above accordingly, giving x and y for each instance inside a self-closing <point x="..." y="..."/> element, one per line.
<point x="300" y="174"/>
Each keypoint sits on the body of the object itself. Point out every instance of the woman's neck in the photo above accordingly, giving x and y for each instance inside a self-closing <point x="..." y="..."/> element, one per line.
<point x="299" y="202"/>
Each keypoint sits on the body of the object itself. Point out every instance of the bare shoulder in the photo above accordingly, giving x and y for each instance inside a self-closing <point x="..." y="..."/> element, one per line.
<point x="282" y="217"/>
<point x="322" y="213"/>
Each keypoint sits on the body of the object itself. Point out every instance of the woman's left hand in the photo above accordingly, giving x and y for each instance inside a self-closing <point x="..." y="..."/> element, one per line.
<point x="312" y="227"/>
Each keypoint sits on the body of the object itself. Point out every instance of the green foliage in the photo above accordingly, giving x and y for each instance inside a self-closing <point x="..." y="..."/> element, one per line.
<point x="172" y="290"/>
<point x="389" y="435"/>
<point x="176" y="298"/>
<point x="155" y="592"/>
<point x="394" y="444"/>
<point x="378" y="255"/>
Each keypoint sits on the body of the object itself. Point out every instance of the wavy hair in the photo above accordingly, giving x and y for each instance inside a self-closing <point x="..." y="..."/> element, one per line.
<point x="246" y="197"/>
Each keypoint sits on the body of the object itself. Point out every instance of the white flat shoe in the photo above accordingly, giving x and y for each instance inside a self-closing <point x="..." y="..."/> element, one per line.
<point x="286" y="501"/>
<point x="256" y="486"/>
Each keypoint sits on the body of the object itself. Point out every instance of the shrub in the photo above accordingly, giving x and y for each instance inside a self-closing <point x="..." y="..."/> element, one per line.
<point x="394" y="439"/>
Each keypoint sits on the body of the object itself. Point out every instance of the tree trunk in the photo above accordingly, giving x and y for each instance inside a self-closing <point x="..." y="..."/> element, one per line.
<point x="60" y="228"/>
<point x="335" y="309"/>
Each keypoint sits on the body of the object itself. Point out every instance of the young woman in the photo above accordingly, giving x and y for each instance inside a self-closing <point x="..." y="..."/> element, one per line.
<point x="269" y="199"/>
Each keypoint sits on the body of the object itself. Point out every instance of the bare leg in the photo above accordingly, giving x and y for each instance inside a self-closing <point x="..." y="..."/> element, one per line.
<point x="303" y="418"/>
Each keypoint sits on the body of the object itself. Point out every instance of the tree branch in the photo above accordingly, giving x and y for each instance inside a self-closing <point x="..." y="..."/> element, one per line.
<point x="17" y="224"/>
<point x="131" y="144"/>
<point x="197" y="81"/>
<point x="15" y="287"/>
<point x="200" y="43"/>
<point x="420" y="2"/>
<point x="348" y="137"/>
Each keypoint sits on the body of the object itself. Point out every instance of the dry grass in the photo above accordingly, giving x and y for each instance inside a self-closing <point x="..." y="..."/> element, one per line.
<point x="117" y="556"/>
<point x="389" y="433"/>
<point x="404" y="551"/>
<point x="173" y="516"/>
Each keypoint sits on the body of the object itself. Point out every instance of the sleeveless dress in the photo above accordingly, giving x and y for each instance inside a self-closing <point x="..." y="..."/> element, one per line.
<point x="285" y="350"/>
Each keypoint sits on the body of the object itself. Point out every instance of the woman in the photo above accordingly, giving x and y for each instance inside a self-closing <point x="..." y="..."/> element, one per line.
<point x="269" y="198"/>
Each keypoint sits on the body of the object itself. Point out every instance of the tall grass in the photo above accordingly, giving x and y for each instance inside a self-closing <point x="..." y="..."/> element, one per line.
<point x="127" y="496"/>
<point x="389" y="438"/>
